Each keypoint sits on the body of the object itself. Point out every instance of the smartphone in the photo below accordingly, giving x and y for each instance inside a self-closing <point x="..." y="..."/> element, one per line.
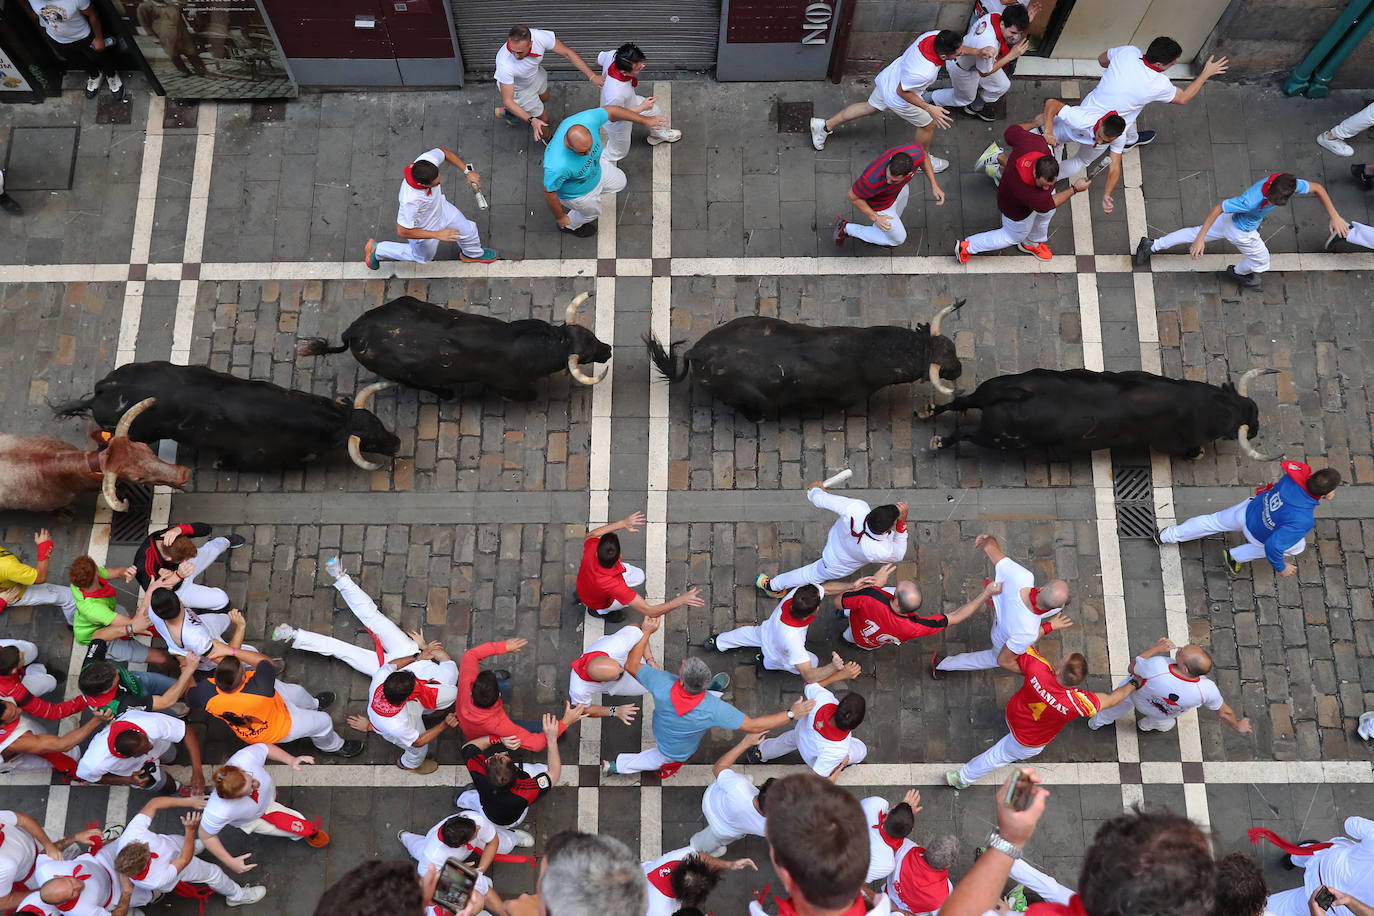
<point x="1021" y="791"/>
<point x="456" y="881"/>
<point x="1325" y="898"/>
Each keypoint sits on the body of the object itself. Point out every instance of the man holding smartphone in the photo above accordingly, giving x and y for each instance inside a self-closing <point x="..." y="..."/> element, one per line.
<point x="1344" y="866"/>
<point x="73" y="28"/>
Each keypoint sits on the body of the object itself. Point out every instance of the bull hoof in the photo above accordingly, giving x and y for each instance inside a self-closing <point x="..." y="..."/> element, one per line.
<point x="1198" y="456"/>
<point x="926" y="412"/>
<point x="936" y="443"/>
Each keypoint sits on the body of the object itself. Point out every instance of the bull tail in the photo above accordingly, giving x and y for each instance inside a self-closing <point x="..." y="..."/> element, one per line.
<point x="79" y="408"/>
<point x="318" y="346"/>
<point x="666" y="361"/>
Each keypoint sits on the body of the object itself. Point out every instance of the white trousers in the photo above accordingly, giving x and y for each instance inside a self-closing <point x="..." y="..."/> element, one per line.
<point x="983" y="660"/>
<point x="1146" y="718"/>
<point x="648" y="759"/>
<point x="307" y="719"/>
<point x="202" y="597"/>
<point x="617" y="133"/>
<point x="786" y="743"/>
<point x="634" y="577"/>
<point x="37" y="680"/>
<point x="967" y="84"/>
<point x="1032" y="230"/>
<point x="1360" y="234"/>
<point x="526" y="95"/>
<point x="747" y="637"/>
<point x="585" y="209"/>
<point x="199" y="871"/>
<point x="423" y="250"/>
<point x="1004" y="752"/>
<point x="47" y="593"/>
<point x="262" y="828"/>
<point x="815" y="574"/>
<point x="505" y="833"/>
<point x="1083" y="156"/>
<point x="1356" y="124"/>
<point x="1247" y="242"/>
<point x="1223" y="522"/>
<point x="707" y="840"/>
<point x="1050" y="890"/>
<point x="896" y="232"/>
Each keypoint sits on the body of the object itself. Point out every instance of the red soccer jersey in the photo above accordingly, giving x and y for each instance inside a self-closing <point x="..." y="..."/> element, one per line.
<point x="872" y="622"/>
<point x="599" y="587"/>
<point x="1043" y="706"/>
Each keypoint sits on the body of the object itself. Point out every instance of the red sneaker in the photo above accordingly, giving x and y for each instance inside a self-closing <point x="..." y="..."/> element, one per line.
<point x="1041" y="251"/>
<point x="961" y="251"/>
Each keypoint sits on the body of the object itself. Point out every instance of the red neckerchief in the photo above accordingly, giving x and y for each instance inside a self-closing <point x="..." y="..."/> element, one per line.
<point x="529" y="53"/>
<point x="1099" y="123"/>
<point x="859" y="535"/>
<point x="7" y="730"/>
<point x="99" y="701"/>
<point x="103" y="589"/>
<point x="1264" y="189"/>
<point x="1158" y="68"/>
<point x="71" y="904"/>
<point x="427" y="692"/>
<point x="662" y="878"/>
<point x="824" y="727"/>
<point x="582" y="663"/>
<point x="614" y="73"/>
<point x="119" y="728"/>
<point x="1258" y="834"/>
<point x="1025" y="167"/>
<point x="143" y="874"/>
<point x="1003" y="48"/>
<point x="410" y="180"/>
<point x="787" y="618"/>
<point x="684" y="702"/>
<point x="919" y="886"/>
<point x="893" y="842"/>
<point x="253" y="795"/>
<point x="1034" y="607"/>
<point x="926" y="48"/>
<point x="785" y="907"/>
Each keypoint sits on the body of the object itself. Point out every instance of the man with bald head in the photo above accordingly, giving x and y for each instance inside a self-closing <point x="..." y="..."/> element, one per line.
<point x="882" y="616"/>
<point x="601" y="669"/>
<point x="1022" y="613"/>
<point x="576" y="175"/>
<point x="1170" y="687"/>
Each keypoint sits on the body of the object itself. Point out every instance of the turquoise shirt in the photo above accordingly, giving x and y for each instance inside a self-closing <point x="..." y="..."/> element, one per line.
<point x="569" y="174"/>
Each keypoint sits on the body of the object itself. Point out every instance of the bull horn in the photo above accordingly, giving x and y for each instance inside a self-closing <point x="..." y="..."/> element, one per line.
<point x="354" y="442"/>
<point x="1245" y="379"/>
<point x="1243" y="434"/>
<point x="571" y="314"/>
<point x="584" y="378"/>
<point x="935" y="381"/>
<point x="940" y="316"/>
<point x="107" y="480"/>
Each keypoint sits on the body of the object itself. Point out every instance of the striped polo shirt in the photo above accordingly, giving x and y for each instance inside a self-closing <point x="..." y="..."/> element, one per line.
<point x="874" y="188"/>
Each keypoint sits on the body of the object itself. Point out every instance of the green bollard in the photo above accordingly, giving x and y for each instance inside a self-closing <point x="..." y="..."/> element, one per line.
<point x="1301" y="78"/>
<point x="1321" y="80"/>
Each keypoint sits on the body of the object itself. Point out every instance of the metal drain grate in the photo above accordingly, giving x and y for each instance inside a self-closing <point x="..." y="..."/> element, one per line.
<point x="132" y="527"/>
<point x="1135" y="503"/>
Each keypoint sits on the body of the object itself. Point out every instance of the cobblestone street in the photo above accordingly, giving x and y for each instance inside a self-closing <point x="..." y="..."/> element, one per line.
<point x="215" y="239"/>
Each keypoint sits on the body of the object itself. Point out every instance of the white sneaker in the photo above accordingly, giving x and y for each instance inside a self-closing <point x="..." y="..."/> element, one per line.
<point x="92" y="86"/>
<point x="1334" y="144"/>
<point x="284" y="633"/>
<point x="333" y="567"/>
<point x="523" y="839"/>
<point x="818" y="133"/>
<point x="938" y="164"/>
<point x="250" y="894"/>
<point x="671" y="135"/>
<point x="115" y="83"/>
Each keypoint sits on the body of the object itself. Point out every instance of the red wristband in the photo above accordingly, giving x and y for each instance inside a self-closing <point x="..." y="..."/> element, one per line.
<point x="3" y="604"/>
<point x="1046" y="629"/>
<point x="901" y="527"/>
<point x="44" y="550"/>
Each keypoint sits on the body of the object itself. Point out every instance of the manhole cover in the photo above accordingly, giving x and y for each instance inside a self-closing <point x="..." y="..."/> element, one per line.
<point x="267" y="112"/>
<point x="795" y="117"/>
<point x="179" y="113"/>
<point x="132" y="527"/>
<point x="41" y="159"/>
<point x="1135" y="502"/>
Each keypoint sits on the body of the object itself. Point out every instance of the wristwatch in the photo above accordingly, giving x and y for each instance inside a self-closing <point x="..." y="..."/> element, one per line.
<point x="1136" y="682"/>
<point x="791" y="714"/>
<point x="467" y="167"/>
<point x="995" y="841"/>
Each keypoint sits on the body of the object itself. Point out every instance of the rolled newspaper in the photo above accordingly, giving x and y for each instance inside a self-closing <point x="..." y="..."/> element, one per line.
<point x="838" y="478"/>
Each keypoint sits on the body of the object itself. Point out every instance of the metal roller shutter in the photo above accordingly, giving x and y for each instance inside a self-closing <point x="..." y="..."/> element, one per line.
<point x="675" y="34"/>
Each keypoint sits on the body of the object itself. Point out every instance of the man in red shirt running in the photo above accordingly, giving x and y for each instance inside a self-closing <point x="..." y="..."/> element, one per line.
<point x="1026" y="198"/>
<point x="605" y="583"/>
<point x="881" y="616"/>
<point x="1048" y="700"/>
<point x="481" y="711"/>
<point x="881" y="192"/>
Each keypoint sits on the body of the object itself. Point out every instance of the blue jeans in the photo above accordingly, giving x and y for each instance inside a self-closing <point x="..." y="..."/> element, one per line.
<point x="503" y="685"/>
<point x="153" y="683"/>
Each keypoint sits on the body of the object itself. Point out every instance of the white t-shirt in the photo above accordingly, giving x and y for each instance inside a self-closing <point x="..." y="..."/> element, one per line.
<point x="521" y="72"/>
<point x="404" y="728"/>
<point x="658" y="872"/>
<point x="1347" y="866"/>
<point x="162" y="730"/>
<point x="881" y="857"/>
<point x="1169" y="695"/>
<point x="1127" y="86"/>
<point x="617" y="645"/>
<point x="161" y="875"/>
<point x="63" y="19"/>
<point x="101" y="891"/>
<point x="25" y="726"/>
<point x="425" y="208"/>
<point x="728" y="804"/>
<point x="614" y="91"/>
<point x="220" y="812"/>
<point x="784" y="646"/>
<point x="913" y="71"/>
<point x="1078" y="125"/>
<point x="195" y="637"/>
<point x="849" y="545"/>
<point x="18" y="853"/>
<point x="1014" y="625"/>
<point x="980" y="35"/>
<point x="436" y="852"/>
<point x="822" y="754"/>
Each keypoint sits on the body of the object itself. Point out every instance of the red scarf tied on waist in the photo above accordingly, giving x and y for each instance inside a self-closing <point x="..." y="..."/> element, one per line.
<point x="894" y="842"/>
<point x="684" y="702"/>
<point x="1259" y="834"/>
<point x="581" y="666"/>
<point x="614" y="73"/>
<point x="410" y="180"/>
<point x="427" y="692"/>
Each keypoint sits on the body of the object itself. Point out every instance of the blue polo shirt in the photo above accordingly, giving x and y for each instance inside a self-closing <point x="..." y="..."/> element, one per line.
<point x="678" y="736"/>
<point x="1249" y="208"/>
<point x="566" y="173"/>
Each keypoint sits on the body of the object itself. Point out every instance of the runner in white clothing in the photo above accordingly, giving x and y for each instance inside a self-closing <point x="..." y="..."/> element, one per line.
<point x="1172" y="687"/>
<point x="523" y="81"/>
<point x="1344" y="864"/>
<point x="620" y="69"/>
<point x="977" y="80"/>
<point x="425" y="217"/>
<point x="245" y="797"/>
<point x="919" y="884"/>
<point x="1022" y="613"/>
<point x="1091" y="133"/>
<point x="782" y="637"/>
<point x="130" y="751"/>
<point x="187" y="632"/>
<point x="87" y="885"/>
<point x="409" y="677"/>
<point x="1134" y="80"/>
<point x="684" y="878"/>
<point x="157" y="862"/>
<point x="21" y="840"/>
<point x="466" y="836"/>
<point x="733" y="806"/>
<point x="860" y="536"/>
<point x="888" y="828"/>
<point x="601" y="669"/>
<point x="824" y="736"/>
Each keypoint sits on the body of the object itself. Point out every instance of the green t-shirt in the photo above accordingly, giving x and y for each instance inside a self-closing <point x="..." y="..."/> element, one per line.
<point x="93" y="613"/>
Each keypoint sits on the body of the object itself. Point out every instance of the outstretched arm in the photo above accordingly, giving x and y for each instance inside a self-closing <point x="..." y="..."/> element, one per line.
<point x="576" y="60"/>
<point x="630" y="523"/>
<point x="1213" y="67"/>
<point x="966" y="610"/>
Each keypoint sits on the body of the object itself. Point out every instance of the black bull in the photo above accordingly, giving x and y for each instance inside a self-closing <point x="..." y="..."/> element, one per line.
<point x="253" y="425"/>
<point x="436" y="349"/>
<point x="761" y="366"/>
<point x="1077" y="410"/>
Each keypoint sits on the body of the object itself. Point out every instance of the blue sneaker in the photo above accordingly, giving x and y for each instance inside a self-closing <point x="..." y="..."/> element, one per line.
<point x="507" y="117"/>
<point x="719" y="682"/>
<point x="486" y="257"/>
<point x="370" y="255"/>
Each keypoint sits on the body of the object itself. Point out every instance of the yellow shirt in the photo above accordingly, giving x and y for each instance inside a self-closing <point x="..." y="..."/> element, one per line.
<point x="15" y="574"/>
